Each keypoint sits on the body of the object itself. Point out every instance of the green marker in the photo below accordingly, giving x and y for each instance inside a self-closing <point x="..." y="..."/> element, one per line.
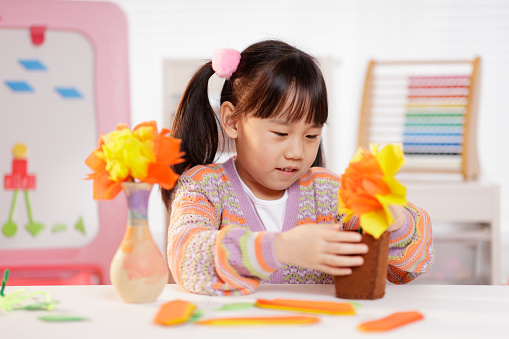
<point x="4" y="281"/>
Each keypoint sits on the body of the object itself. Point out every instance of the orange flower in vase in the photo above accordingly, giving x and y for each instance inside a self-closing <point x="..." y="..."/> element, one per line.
<point x="368" y="189"/>
<point x="133" y="161"/>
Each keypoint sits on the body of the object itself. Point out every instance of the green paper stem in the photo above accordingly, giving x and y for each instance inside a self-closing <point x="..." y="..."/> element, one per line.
<point x="29" y="210"/>
<point x="11" y="213"/>
<point x="33" y="227"/>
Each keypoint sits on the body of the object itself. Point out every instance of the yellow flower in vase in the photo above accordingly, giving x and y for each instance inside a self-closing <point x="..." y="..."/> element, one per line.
<point x="142" y="154"/>
<point x="133" y="161"/>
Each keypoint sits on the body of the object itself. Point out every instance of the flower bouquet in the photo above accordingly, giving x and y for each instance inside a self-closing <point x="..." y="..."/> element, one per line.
<point x="133" y="161"/>
<point x="141" y="155"/>
<point x="368" y="189"/>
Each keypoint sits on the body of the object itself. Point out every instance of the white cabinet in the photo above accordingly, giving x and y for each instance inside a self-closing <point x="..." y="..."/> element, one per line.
<point x="462" y="202"/>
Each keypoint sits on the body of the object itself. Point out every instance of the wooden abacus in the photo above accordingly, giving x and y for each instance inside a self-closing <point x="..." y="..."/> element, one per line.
<point x="428" y="106"/>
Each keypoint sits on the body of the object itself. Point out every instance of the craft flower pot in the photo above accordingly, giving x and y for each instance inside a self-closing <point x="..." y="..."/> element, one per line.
<point x="367" y="281"/>
<point x="138" y="270"/>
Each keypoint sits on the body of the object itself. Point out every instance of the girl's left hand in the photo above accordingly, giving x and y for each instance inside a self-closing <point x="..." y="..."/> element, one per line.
<point x="398" y="212"/>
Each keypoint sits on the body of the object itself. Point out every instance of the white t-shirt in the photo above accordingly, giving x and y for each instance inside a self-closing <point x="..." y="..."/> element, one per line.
<point x="270" y="212"/>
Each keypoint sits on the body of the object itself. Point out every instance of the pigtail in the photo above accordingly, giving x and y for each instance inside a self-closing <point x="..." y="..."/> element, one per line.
<point x="196" y="124"/>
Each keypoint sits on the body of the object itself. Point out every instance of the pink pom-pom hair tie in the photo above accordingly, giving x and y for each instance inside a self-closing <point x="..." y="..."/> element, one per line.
<point x="225" y="62"/>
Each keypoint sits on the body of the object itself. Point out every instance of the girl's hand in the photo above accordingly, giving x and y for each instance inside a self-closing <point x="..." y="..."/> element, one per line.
<point x="322" y="247"/>
<point x="398" y="212"/>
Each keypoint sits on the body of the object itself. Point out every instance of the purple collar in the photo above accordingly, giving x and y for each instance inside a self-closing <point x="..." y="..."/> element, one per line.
<point x="252" y="219"/>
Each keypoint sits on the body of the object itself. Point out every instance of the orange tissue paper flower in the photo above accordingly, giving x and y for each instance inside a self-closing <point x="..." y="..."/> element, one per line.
<point x="368" y="187"/>
<point x="143" y="154"/>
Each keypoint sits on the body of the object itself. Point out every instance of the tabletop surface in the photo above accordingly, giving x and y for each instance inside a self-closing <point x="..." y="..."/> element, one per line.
<point x="464" y="311"/>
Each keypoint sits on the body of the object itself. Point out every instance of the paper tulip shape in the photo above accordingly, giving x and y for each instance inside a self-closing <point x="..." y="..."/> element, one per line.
<point x="142" y="154"/>
<point x="368" y="187"/>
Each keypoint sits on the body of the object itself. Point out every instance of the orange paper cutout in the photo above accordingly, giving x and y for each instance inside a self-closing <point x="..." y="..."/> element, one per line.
<point x="174" y="313"/>
<point x="391" y="322"/>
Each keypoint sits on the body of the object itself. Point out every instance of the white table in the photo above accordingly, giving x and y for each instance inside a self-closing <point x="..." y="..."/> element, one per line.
<point x="450" y="312"/>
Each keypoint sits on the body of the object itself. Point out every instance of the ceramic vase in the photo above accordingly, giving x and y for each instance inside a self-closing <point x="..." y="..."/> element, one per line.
<point x="367" y="281"/>
<point x="138" y="270"/>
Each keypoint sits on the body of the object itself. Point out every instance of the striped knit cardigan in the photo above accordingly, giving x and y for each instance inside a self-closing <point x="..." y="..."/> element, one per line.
<point x="217" y="245"/>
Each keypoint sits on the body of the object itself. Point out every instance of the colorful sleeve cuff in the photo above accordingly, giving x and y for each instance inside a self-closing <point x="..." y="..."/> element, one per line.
<point x="248" y="254"/>
<point x="269" y="252"/>
<point x="258" y="255"/>
<point x="412" y="254"/>
<point x="403" y="236"/>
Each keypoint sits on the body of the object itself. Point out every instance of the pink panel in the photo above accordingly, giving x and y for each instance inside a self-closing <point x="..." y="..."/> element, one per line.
<point x="106" y="26"/>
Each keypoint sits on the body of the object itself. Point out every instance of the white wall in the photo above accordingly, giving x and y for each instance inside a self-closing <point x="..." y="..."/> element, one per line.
<point x="349" y="31"/>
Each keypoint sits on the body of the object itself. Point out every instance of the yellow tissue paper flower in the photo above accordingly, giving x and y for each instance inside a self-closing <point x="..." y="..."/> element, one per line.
<point x="128" y="153"/>
<point x="143" y="154"/>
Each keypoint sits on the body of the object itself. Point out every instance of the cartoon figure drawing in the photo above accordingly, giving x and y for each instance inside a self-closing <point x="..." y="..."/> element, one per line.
<point x="20" y="180"/>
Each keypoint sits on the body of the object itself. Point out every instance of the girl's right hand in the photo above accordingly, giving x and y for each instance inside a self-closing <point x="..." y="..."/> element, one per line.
<point x="322" y="247"/>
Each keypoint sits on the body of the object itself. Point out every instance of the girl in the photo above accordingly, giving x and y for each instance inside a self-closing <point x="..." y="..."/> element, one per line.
<point x="266" y="215"/>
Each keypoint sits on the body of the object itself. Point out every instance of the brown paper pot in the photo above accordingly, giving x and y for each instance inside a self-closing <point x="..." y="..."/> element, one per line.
<point x="367" y="281"/>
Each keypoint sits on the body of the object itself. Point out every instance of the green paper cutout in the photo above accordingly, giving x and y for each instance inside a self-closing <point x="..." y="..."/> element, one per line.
<point x="80" y="226"/>
<point x="46" y="305"/>
<point x="235" y="307"/>
<point x="355" y="305"/>
<point x="197" y="314"/>
<point x="58" y="228"/>
<point x="33" y="227"/>
<point x="61" y="318"/>
<point x="10" y="228"/>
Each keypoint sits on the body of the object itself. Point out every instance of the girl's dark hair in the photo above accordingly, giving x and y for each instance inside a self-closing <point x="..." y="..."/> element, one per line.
<point x="271" y="76"/>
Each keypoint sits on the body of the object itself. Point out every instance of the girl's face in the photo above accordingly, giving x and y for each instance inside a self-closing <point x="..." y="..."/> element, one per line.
<point x="272" y="153"/>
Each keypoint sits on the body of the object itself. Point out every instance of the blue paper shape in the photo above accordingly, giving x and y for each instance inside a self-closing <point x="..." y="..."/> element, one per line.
<point x="19" y="86"/>
<point x="33" y="65"/>
<point x="69" y="92"/>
